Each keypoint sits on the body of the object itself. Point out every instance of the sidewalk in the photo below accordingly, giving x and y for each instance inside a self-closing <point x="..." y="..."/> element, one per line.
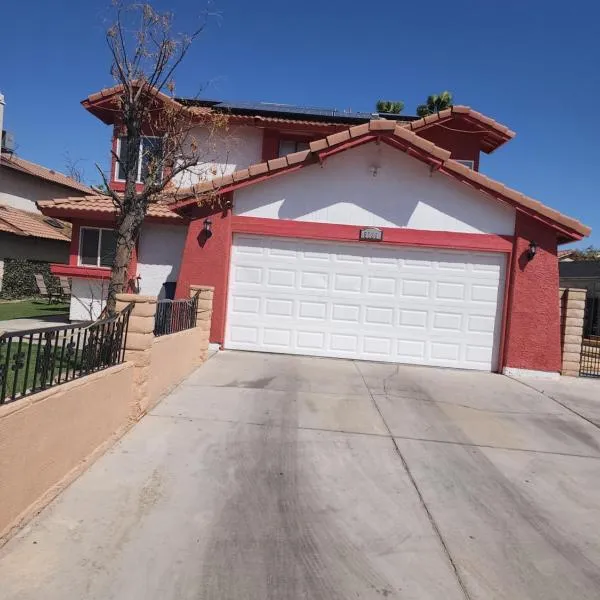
<point x="34" y="323"/>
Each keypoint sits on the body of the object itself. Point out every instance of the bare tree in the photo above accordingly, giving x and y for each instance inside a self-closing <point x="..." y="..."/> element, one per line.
<point x="145" y="55"/>
<point x="73" y="168"/>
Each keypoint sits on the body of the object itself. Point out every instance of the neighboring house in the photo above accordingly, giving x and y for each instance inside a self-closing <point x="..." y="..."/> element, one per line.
<point x="584" y="274"/>
<point x="347" y="235"/>
<point x="24" y="232"/>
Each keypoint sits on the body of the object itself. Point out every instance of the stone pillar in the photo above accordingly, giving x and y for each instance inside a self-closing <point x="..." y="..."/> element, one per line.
<point x="572" y="302"/>
<point x="203" y="315"/>
<point x="138" y="345"/>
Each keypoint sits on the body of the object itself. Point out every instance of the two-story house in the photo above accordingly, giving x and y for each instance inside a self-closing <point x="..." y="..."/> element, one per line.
<point x="353" y="235"/>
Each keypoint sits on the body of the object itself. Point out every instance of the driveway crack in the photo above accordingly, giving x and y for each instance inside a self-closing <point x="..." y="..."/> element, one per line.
<point x="430" y="516"/>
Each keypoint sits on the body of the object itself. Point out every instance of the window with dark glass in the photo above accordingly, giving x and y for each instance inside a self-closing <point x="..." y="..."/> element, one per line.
<point x="89" y="240"/>
<point x="97" y="246"/>
<point x="150" y="151"/>
<point x="290" y="146"/>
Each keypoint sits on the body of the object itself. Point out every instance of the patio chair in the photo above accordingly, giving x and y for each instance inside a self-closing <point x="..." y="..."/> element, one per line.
<point x="42" y="289"/>
<point x="65" y="288"/>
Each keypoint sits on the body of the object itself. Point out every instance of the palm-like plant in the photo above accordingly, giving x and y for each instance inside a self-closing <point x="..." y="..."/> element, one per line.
<point x="435" y="103"/>
<point x="390" y="106"/>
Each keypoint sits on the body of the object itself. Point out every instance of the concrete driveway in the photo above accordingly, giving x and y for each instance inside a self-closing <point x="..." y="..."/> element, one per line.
<point x="284" y="478"/>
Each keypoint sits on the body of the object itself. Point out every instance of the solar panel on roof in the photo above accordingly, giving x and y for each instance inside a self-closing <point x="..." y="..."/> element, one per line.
<point x="292" y="109"/>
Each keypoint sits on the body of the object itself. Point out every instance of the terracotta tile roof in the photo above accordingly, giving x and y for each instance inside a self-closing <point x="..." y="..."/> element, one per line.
<point x="492" y="133"/>
<point x="102" y="104"/>
<point x="24" y="166"/>
<point x="98" y="203"/>
<point x="259" y="120"/>
<point x="397" y="136"/>
<point x="28" y="224"/>
<point x="497" y="133"/>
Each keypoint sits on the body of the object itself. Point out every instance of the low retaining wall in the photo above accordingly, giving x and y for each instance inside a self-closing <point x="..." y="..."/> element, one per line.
<point x="172" y="358"/>
<point x="49" y="438"/>
<point x="46" y="439"/>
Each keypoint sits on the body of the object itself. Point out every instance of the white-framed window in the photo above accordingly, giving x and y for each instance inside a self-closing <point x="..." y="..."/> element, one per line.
<point x="290" y="146"/>
<point x="97" y="246"/>
<point x="468" y="163"/>
<point x="151" y="148"/>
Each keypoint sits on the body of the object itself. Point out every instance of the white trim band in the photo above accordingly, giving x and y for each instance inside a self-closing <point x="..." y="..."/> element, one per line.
<point x="513" y="372"/>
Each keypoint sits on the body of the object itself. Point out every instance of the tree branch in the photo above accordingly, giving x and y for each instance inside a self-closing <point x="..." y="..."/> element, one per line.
<point x="113" y="195"/>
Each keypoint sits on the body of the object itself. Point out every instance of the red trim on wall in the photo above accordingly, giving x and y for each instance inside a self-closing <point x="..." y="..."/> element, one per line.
<point x="508" y="268"/>
<point x="270" y="145"/>
<point x="80" y="272"/>
<point x="391" y="235"/>
<point x="73" y="269"/>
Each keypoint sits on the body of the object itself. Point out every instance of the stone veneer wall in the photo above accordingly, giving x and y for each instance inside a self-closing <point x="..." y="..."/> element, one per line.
<point x="572" y="307"/>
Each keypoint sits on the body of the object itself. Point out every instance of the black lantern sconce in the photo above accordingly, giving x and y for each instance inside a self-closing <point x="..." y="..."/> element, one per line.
<point x="207" y="228"/>
<point x="532" y="250"/>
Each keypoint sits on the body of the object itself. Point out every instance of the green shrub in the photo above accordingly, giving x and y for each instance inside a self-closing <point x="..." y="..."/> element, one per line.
<point x="19" y="278"/>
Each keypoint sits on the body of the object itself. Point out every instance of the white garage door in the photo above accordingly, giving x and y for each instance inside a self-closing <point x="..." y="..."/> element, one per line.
<point x="365" y="301"/>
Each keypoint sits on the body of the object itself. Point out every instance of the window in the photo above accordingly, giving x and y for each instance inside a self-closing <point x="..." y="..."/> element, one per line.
<point x="97" y="247"/>
<point x="468" y="163"/>
<point x="151" y="148"/>
<point x="290" y="146"/>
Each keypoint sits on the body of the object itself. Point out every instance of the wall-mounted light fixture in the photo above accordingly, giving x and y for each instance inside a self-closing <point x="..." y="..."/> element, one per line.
<point x="532" y="250"/>
<point x="207" y="228"/>
<point x="374" y="170"/>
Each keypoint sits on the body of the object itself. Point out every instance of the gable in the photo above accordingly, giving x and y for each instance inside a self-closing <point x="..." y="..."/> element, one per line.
<point x="404" y="193"/>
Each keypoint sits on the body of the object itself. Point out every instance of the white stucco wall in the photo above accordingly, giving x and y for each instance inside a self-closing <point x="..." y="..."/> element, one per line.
<point x="159" y="256"/>
<point x="223" y="153"/>
<point x="88" y="297"/>
<point x="403" y="194"/>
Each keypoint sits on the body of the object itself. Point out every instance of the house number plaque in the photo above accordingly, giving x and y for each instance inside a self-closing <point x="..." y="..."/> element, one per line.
<point x="371" y="234"/>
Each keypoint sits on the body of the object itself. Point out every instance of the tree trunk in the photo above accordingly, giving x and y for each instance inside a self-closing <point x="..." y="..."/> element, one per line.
<point x="127" y="234"/>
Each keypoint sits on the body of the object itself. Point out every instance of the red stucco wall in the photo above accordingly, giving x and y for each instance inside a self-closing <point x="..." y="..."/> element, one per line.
<point x="532" y="336"/>
<point x="463" y="146"/>
<point x="533" y="325"/>
<point x="206" y="262"/>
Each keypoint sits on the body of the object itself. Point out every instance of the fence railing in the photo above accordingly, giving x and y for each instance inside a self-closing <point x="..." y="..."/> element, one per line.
<point x="589" y="363"/>
<point x="175" y="315"/>
<point x="37" y="359"/>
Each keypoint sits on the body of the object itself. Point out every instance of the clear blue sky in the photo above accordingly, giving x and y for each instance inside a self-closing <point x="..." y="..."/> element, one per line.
<point x="532" y="65"/>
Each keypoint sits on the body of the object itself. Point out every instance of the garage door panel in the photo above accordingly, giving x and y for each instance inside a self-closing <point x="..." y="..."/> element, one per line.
<point x="365" y="301"/>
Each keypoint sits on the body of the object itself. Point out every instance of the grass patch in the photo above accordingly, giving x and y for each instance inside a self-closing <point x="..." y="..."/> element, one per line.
<point x="30" y="309"/>
<point x="21" y="372"/>
<point x="64" y="358"/>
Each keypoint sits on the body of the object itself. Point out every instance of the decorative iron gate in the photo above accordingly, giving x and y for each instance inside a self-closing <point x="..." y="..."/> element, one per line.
<point x="590" y="345"/>
<point x="173" y="316"/>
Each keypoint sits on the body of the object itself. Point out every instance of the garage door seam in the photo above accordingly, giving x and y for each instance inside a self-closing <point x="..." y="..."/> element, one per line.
<point x="571" y="410"/>
<point x="432" y="520"/>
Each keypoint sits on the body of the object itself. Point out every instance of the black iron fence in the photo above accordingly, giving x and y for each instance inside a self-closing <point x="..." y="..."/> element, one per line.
<point x="37" y="359"/>
<point x="175" y="315"/>
<point x="589" y="365"/>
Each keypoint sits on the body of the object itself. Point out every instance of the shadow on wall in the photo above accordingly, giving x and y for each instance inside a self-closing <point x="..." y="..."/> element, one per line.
<point x="403" y="193"/>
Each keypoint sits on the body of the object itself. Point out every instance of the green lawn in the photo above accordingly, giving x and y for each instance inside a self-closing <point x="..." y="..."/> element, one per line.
<point x="31" y="309"/>
<point x="21" y="373"/>
<point x="65" y="357"/>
